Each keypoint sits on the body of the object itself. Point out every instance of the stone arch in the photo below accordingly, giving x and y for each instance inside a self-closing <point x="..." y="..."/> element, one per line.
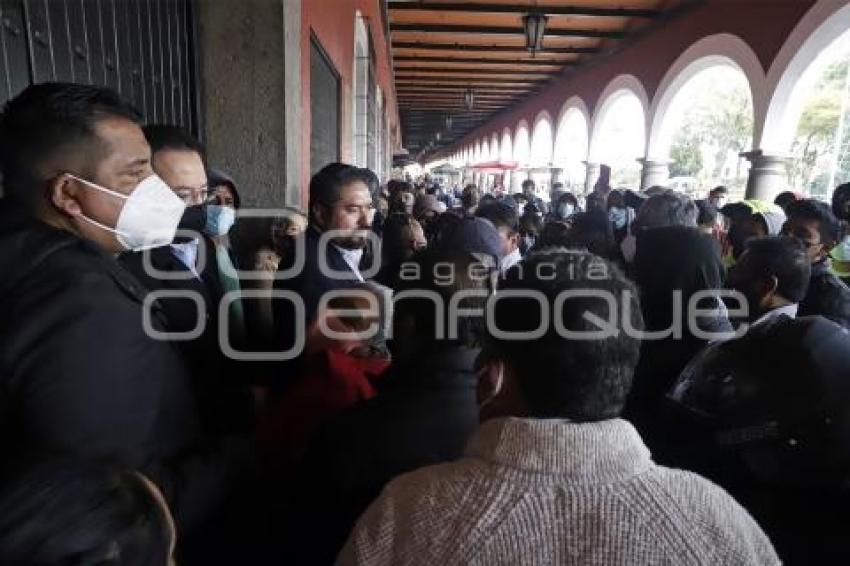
<point x="716" y="50"/>
<point x="796" y="68"/>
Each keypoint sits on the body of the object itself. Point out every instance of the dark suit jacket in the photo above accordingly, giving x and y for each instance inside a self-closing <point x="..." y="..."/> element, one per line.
<point x="423" y="414"/>
<point x="80" y="378"/>
<point x="220" y="383"/>
<point x="309" y="283"/>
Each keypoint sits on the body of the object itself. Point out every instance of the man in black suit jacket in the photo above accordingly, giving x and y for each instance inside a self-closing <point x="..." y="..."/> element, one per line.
<point x="342" y="208"/>
<point x="190" y="267"/>
<point x="80" y="377"/>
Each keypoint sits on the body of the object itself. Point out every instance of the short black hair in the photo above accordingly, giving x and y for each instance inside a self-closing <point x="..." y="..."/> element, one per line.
<point x="394" y="233"/>
<point x="470" y="196"/>
<point x="782" y="257"/>
<point x="416" y="318"/>
<point x="528" y="183"/>
<point x="555" y="234"/>
<point x="326" y="185"/>
<point x="666" y="208"/>
<point x="583" y="380"/>
<point x="567" y="197"/>
<point x="165" y="136"/>
<point x="707" y="213"/>
<point x="841" y="202"/>
<point x="592" y="231"/>
<point x="372" y="181"/>
<point x="814" y="210"/>
<point x="78" y="513"/>
<point x="530" y="223"/>
<point x="500" y="214"/>
<point x="784" y="199"/>
<point x="46" y="119"/>
<point x="719" y="190"/>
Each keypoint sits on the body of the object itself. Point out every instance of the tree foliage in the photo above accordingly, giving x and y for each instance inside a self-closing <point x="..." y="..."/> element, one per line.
<point x="815" y="139"/>
<point x="715" y="128"/>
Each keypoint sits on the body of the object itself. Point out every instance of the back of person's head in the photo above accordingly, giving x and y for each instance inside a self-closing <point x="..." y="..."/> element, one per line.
<point x="326" y="186"/>
<point x="595" y="201"/>
<point x="671" y="260"/>
<point x="667" y="208"/>
<point x="422" y="313"/>
<point x="785" y="198"/>
<point x="718" y="191"/>
<point x="655" y="190"/>
<point x="500" y="214"/>
<point x="841" y="202"/>
<point x="707" y="213"/>
<point x="162" y="137"/>
<point x="815" y="211"/>
<point x="396" y="186"/>
<point x="616" y="199"/>
<point x="486" y="198"/>
<point x="530" y="224"/>
<point x="634" y="200"/>
<point x="46" y="122"/>
<point x="781" y="260"/>
<point x="564" y="372"/>
<point x="83" y="514"/>
<point x="592" y="231"/>
<point x="470" y="197"/>
<point x="554" y="235"/>
<point x="402" y="234"/>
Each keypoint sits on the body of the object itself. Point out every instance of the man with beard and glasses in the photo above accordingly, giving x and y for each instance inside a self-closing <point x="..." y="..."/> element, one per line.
<point x="342" y="205"/>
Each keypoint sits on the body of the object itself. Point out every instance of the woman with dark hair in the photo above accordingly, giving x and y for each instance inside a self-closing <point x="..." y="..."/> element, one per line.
<point x="82" y="514"/>
<point x="673" y="263"/>
<point x="402" y="237"/>
<point x="222" y="189"/>
<point x="592" y="231"/>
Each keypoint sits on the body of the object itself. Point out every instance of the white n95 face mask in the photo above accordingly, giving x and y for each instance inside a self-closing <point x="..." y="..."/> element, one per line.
<point x="150" y="215"/>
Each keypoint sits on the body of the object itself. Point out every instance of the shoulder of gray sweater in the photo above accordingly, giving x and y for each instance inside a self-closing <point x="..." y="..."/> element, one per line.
<point x="708" y="519"/>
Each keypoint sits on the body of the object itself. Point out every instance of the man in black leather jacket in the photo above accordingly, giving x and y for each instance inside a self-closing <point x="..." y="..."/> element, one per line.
<point x="766" y="416"/>
<point x="813" y="223"/>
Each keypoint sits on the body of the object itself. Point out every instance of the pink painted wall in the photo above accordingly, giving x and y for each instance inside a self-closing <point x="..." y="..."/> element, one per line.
<point x="333" y="23"/>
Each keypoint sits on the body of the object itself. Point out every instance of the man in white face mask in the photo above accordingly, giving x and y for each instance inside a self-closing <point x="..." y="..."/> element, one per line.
<point x="80" y="374"/>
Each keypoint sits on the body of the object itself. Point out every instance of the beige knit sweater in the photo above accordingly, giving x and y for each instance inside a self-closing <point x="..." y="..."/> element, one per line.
<point x="551" y="492"/>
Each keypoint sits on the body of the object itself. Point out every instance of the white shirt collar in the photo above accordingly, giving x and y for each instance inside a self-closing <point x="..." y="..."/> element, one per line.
<point x="510" y="260"/>
<point x="788" y="310"/>
<point x="187" y="253"/>
<point x="352" y="258"/>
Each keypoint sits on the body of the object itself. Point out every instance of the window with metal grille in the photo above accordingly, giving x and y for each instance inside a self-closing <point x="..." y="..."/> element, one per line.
<point x="324" y="109"/>
<point x="144" y="49"/>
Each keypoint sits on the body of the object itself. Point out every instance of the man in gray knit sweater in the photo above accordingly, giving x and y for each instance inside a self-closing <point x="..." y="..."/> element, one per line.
<point x="553" y="476"/>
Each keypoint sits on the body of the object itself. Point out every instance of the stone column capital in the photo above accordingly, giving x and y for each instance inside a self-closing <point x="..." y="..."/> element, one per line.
<point x="768" y="174"/>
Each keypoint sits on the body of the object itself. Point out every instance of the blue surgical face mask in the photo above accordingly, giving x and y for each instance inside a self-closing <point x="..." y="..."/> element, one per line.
<point x="617" y="216"/>
<point x="220" y="219"/>
<point x="565" y="210"/>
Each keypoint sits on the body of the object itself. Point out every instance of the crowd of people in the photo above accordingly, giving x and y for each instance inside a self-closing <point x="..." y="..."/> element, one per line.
<point x="403" y="372"/>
